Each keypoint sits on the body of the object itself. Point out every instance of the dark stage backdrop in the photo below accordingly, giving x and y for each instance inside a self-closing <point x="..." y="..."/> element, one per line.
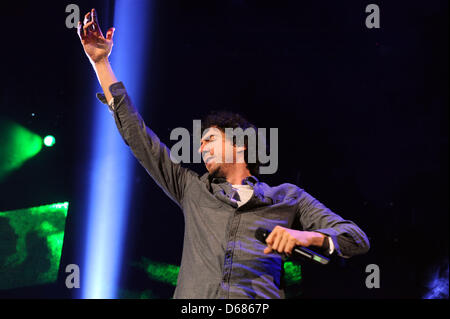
<point x="362" y="117"/>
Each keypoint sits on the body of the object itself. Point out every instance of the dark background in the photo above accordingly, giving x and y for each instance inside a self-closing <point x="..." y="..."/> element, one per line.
<point x="362" y="117"/>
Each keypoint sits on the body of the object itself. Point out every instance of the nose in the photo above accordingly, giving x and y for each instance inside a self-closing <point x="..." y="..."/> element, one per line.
<point x="204" y="149"/>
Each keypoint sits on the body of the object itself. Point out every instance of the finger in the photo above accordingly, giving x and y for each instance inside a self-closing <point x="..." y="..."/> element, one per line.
<point x="79" y="32"/>
<point x="268" y="249"/>
<point x="290" y="246"/>
<point x="277" y="239"/>
<point x="87" y="17"/>
<point x="86" y="29"/>
<point x="269" y="239"/>
<point x="96" y="24"/>
<point x="110" y="34"/>
<point x="283" y="242"/>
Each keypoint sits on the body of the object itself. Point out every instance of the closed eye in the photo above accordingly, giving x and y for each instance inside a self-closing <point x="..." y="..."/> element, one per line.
<point x="209" y="139"/>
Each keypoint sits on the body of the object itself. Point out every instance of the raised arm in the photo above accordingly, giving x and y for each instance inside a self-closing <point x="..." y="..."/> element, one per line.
<point x="98" y="48"/>
<point x="153" y="155"/>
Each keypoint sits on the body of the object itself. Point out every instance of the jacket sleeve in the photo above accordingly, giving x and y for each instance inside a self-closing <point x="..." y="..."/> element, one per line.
<point x="348" y="239"/>
<point x="151" y="153"/>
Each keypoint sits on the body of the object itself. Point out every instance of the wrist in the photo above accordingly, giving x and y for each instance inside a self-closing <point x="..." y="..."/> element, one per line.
<point x="318" y="239"/>
<point x="101" y="62"/>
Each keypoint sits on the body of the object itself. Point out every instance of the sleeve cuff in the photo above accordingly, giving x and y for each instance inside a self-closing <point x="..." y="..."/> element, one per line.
<point x="102" y="98"/>
<point x="116" y="89"/>
<point x="331" y="250"/>
<point x="332" y="239"/>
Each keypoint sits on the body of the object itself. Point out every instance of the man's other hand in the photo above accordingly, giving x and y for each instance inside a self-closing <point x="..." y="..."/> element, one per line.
<point x="283" y="240"/>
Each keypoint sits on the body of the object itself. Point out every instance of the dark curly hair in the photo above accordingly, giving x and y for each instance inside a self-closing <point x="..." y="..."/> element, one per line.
<point x="226" y="119"/>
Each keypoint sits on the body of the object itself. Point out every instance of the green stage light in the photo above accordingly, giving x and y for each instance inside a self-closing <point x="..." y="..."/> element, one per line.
<point x="18" y="146"/>
<point x="161" y="272"/>
<point x="168" y="273"/>
<point x="49" y="141"/>
<point x="136" y="294"/>
<point x="292" y="272"/>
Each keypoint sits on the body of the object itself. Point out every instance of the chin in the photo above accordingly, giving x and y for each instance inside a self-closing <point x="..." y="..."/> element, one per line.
<point x="215" y="170"/>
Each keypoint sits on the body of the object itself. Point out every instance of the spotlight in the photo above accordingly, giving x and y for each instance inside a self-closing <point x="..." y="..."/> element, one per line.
<point x="49" y="141"/>
<point x="108" y="194"/>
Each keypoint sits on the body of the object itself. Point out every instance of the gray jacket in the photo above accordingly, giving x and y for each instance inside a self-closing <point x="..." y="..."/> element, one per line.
<point x="221" y="256"/>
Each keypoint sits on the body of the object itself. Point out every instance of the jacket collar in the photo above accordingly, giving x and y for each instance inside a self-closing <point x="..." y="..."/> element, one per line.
<point x="221" y="188"/>
<point x="249" y="180"/>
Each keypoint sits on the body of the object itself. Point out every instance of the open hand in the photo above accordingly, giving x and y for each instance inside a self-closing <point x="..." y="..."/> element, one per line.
<point x="95" y="45"/>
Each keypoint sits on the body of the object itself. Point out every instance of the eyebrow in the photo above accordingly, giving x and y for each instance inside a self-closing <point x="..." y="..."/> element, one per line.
<point x="207" y="136"/>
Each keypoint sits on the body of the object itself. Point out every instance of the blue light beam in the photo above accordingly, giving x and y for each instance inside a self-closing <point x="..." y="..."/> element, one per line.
<point x="111" y="163"/>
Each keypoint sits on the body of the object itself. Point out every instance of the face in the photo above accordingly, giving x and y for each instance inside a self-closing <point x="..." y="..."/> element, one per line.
<point x="217" y="152"/>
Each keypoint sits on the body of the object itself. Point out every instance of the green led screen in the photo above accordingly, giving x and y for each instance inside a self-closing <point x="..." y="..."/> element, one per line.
<point x="31" y="242"/>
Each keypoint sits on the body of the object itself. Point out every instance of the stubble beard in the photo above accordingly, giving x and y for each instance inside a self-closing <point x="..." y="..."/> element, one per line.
<point x="217" y="172"/>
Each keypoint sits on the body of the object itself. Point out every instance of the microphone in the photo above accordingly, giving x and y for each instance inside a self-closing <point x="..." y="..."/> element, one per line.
<point x="298" y="252"/>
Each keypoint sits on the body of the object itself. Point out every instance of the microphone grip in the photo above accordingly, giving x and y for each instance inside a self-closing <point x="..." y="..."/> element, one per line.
<point x="298" y="252"/>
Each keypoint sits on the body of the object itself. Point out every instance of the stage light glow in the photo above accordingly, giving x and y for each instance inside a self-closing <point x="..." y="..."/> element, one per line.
<point x="292" y="273"/>
<point x="158" y="271"/>
<point x="49" y="141"/>
<point x="438" y="282"/>
<point x="112" y="161"/>
<point x="168" y="273"/>
<point x="18" y="145"/>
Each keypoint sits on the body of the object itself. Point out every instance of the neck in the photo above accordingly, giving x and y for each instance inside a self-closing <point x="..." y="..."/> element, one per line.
<point x="236" y="173"/>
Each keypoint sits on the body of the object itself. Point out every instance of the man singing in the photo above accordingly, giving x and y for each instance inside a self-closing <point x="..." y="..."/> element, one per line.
<point x="223" y="207"/>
